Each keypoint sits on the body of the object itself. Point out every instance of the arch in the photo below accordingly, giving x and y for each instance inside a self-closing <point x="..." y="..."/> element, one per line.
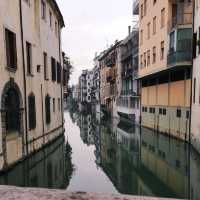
<point x="11" y="113"/>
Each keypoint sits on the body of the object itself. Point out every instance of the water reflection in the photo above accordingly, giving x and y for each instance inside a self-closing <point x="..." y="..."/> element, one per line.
<point x="141" y="162"/>
<point x="50" y="167"/>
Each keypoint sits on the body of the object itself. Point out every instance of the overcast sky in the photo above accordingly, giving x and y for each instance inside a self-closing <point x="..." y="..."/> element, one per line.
<point x="91" y="25"/>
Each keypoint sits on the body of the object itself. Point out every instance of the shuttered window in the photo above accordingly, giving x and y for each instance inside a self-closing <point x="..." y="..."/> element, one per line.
<point x="31" y="112"/>
<point x="48" y="109"/>
<point x="58" y="73"/>
<point x="53" y="69"/>
<point x="11" y="51"/>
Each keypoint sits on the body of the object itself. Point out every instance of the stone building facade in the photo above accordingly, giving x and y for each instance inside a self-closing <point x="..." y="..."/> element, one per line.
<point x="31" y="77"/>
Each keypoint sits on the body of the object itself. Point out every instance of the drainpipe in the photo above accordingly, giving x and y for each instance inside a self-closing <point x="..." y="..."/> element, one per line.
<point x="61" y="84"/>
<point x="24" y="76"/>
<point x="190" y="117"/>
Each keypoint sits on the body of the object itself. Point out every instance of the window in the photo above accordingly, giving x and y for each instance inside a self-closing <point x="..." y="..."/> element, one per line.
<point x="11" y="51"/>
<point x="141" y="37"/>
<point x="148" y="30"/>
<point x="141" y="11"/>
<point x="50" y="18"/>
<point x="148" y="57"/>
<point x="162" y="49"/>
<point x="145" y="62"/>
<point x="178" y="113"/>
<point x="154" y="55"/>
<point x="45" y="66"/>
<point x="48" y="109"/>
<point x="154" y="25"/>
<point x="194" y="45"/>
<point x="54" y="109"/>
<point x="187" y="114"/>
<point x="29" y="58"/>
<point x="141" y="61"/>
<point x="56" y="28"/>
<point x="59" y="104"/>
<point x="145" y="7"/>
<point x="154" y="1"/>
<point x="43" y="9"/>
<point x="162" y="21"/>
<point x="53" y="69"/>
<point x="58" y="73"/>
<point x="31" y="112"/>
<point x="194" y="91"/>
<point x="199" y="40"/>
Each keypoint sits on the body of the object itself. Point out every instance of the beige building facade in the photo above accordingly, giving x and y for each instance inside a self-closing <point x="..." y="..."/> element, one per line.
<point x="165" y="59"/>
<point x="31" y="77"/>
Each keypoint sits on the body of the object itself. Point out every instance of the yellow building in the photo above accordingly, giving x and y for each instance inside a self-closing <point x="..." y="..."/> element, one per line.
<point x="165" y="59"/>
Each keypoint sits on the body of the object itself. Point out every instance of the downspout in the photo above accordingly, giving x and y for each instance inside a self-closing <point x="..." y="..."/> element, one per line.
<point x="24" y="75"/>
<point x="61" y="84"/>
<point x="191" y="93"/>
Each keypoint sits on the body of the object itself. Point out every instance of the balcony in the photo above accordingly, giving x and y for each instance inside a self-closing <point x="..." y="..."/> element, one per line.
<point x="180" y="20"/>
<point x="179" y="57"/>
<point x="126" y="55"/>
<point x="110" y="61"/>
<point x="136" y="7"/>
<point x="127" y="105"/>
<point x="127" y="73"/>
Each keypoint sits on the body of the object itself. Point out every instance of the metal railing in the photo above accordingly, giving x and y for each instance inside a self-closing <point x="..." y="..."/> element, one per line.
<point x="127" y="102"/>
<point x="179" y="56"/>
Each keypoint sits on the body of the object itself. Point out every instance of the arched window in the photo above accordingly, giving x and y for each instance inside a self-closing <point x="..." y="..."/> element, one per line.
<point x="48" y="109"/>
<point x="31" y="112"/>
<point x="12" y="108"/>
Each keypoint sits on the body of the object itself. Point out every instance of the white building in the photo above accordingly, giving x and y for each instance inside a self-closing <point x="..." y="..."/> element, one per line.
<point x="30" y="73"/>
<point x="195" y="112"/>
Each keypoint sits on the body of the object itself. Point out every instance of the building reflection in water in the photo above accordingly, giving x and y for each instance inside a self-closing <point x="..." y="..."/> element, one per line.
<point x="141" y="162"/>
<point x="49" y="168"/>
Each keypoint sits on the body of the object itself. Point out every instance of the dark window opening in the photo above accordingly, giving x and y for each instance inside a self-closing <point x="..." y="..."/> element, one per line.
<point x="58" y="73"/>
<point x="29" y="58"/>
<point x="11" y="51"/>
<point x="53" y="69"/>
<point x="178" y="113"/>
<point x="12" y="108"/>
<point x="48" y="109"/>
<point x="45" y="66"/>
<point x="31" y="112"/>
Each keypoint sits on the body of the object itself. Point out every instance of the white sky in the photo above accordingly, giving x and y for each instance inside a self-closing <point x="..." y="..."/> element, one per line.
<point x="90" y="26"/>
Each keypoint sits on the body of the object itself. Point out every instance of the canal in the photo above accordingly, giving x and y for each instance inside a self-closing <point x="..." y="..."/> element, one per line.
<point x="111" y="157"/>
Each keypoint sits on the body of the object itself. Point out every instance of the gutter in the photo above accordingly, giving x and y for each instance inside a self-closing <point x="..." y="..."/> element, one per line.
<point x="24" y="77"/>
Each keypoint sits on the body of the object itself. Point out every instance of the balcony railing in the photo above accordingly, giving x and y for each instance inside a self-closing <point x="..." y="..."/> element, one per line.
<point x="180" y="19"/>
<point x="178" y="57"/>
<point x="127" y="102"/>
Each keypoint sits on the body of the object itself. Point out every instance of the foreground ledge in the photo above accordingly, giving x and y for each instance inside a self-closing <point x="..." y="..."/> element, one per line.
<point x="16" y="193"/>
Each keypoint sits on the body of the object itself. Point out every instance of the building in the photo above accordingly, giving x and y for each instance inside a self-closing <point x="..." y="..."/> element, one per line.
<point x="128" y="103"/>
<point x="96" y="86"/>
<point x="83" y="87"/>
<point x="108" y="73"/>
<point x="75" y="92"/>
<point x="31" y="68"/>
<point x="89" y="79"/>
<point x="165" y="59"/>
<point x="195" y="124"/>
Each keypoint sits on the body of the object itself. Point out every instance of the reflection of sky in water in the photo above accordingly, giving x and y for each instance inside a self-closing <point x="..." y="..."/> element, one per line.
<point x="88" y="176"/>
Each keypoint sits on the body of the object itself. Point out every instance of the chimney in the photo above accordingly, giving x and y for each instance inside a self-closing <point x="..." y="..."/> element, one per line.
<point x="129" y="30"/>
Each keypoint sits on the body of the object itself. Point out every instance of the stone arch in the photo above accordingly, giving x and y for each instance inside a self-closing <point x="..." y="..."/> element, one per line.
<point x="11" y="90"/>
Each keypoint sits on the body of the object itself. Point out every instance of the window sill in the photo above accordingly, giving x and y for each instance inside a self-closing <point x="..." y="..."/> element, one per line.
<point x="46" y="79"/>
<point x="11" y="69"/>
<point x="31" y="75"/>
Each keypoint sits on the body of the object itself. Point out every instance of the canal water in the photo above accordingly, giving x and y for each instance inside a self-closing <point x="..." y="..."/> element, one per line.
<point x="111" y="157"/>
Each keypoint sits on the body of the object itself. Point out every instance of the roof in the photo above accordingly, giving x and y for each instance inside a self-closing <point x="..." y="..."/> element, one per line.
<point x="106" y="52"/>
<point x="55" y="5"/>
